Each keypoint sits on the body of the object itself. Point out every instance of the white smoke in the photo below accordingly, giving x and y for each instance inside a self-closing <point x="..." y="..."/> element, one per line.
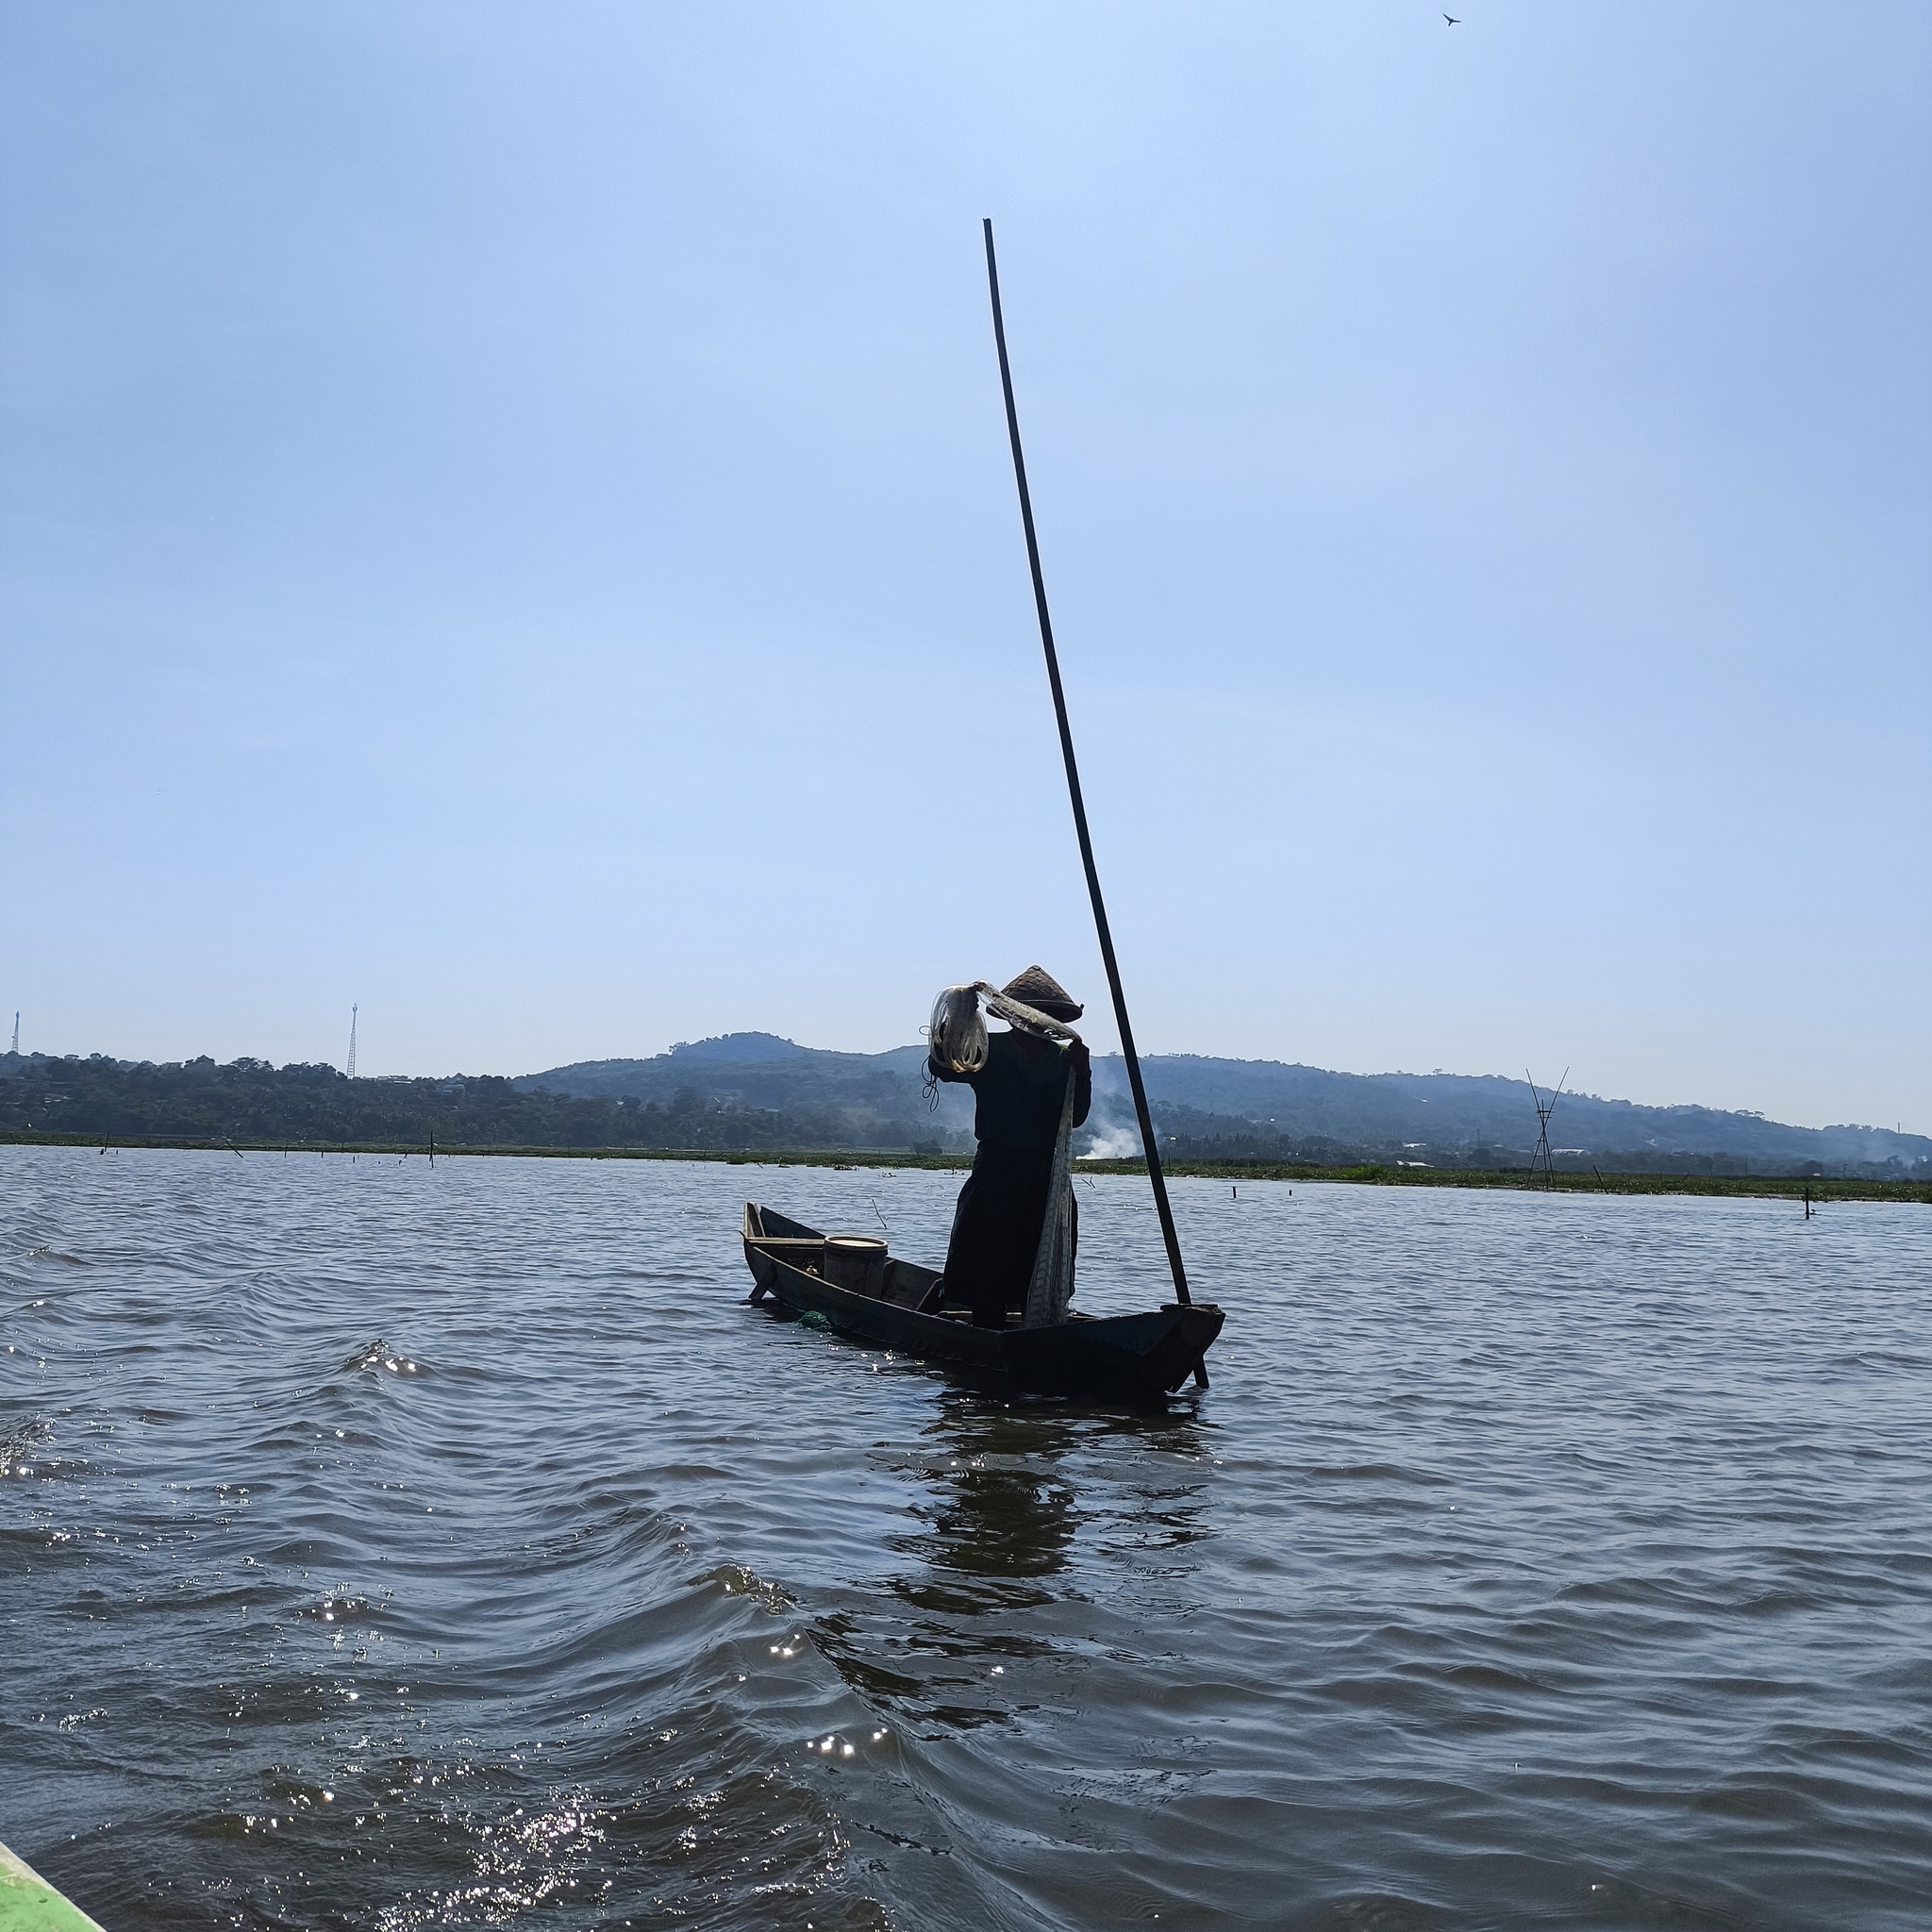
<point x="1112" y="1132"/>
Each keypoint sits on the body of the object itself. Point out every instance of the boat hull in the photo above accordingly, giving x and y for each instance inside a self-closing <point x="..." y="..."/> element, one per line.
<point x="1141" y="1356"/>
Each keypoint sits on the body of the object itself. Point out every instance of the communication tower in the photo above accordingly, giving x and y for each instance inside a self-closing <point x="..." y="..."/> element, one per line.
<point x="1539" y="1161"/>
<point x="353" y="1012"/>
<point x="16" y="1033"/>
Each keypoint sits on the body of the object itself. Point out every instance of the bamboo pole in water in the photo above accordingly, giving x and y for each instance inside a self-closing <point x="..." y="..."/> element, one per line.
<point x="1060" y="707"/>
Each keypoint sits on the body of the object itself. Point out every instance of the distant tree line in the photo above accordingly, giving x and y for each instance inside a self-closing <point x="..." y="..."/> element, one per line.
<point x="1188" y="1133"/>
<point x="252" y="1100"/>
<point x="202" y="1101"/>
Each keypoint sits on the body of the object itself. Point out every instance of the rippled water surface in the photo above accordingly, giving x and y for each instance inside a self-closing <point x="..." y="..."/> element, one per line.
<point x="383" y="1546"/>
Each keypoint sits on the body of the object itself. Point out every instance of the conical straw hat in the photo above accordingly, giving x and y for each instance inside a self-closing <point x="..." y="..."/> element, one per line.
<point x="1038" y="989"/>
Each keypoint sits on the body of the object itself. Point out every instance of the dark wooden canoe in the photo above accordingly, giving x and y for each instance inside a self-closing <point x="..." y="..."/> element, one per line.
<point x="1135" y="1357"/>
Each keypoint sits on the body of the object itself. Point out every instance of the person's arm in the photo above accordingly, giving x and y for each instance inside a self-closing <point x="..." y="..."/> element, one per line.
<point x="940" y="1071"/>
<point x="1082" y="1072"/>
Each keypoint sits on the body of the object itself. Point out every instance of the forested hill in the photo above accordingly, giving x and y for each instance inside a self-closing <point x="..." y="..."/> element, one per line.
<point x="869" y="1092"/>
<point x="755" y="1091"/>
<point x="1263" y="1108"/>
<point x="250" y="1100"/>
<point x="1437" y="1113"/>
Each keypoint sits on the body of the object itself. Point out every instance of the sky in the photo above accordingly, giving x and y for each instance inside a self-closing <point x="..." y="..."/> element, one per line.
<point x="506" y="522"/>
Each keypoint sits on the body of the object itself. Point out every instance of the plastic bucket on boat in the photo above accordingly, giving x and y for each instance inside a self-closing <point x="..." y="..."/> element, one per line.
<point x="857" y="1261"/>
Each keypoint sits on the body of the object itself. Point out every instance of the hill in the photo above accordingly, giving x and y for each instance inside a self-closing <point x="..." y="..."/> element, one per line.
<point x="250" y="1100"/>
<point x="755" y="1091"/>
<point x="1225" y="1109"/>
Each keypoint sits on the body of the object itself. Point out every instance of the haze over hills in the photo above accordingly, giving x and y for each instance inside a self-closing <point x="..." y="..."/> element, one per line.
<point x="1264" y="1109"/>
<point x="751" y="1092"/>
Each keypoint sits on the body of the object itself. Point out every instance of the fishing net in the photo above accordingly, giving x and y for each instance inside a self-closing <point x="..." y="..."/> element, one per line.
<point x="1052" y="1287"/>
<point x="957" y="1033"/>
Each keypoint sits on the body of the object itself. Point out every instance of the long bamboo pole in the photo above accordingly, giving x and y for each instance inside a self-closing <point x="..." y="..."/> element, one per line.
<point x="1060" y="707"/>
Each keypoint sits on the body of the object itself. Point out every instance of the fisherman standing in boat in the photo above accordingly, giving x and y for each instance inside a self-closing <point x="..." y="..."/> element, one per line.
<point x="1023" y="1111"/>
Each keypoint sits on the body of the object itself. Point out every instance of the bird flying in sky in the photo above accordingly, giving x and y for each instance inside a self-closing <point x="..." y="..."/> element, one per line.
<point x="1451" y="19"/>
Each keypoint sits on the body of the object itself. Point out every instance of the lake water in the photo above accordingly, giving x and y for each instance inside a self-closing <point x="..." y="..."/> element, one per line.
<point x="386" y="1548"/>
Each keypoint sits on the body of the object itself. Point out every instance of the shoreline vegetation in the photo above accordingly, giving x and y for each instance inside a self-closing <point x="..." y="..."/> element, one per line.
<point x="751" y="1096"/>
<point x="1564" y="1180"/>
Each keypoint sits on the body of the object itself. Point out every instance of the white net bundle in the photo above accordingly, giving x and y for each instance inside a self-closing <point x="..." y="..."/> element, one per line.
<point x="957" y="1033"/>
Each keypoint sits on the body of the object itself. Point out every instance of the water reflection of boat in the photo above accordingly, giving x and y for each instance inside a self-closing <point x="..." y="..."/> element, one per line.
<point x="901" y="1306"/>
<point x="1000" y="1498"/>
<point x="1001" y="1519"/>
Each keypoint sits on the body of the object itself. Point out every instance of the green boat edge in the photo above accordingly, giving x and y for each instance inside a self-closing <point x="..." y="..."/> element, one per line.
<point x="29" y="1903"/>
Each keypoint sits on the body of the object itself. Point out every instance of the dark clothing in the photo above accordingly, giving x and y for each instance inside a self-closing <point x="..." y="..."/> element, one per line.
<point x="996" y="1231"/>
<point x="1019" y="1092"/>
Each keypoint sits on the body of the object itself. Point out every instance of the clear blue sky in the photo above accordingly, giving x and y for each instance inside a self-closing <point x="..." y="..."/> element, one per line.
<point x="507" y="520"/>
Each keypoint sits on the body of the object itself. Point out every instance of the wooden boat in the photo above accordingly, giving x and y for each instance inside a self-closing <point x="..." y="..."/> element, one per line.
<point x="900" y="1305"/>
<point x="29" y="1903"/>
